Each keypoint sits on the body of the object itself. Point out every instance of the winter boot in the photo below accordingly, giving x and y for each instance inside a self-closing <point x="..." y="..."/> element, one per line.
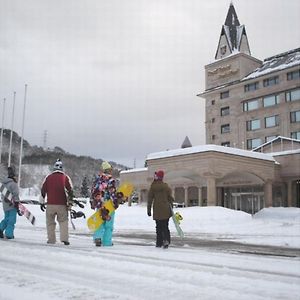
<point x="1" y="234"/>
<point x="98" y="242"/>
<point x="66" y="243"/>
<point x="165" y="244"/>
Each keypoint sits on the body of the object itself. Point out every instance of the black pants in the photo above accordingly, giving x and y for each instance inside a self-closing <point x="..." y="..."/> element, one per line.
<point x="162" y="232"/>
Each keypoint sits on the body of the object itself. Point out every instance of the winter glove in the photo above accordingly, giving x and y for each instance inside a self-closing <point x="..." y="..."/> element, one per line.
<point x="78" y="203"/>
<point x="16" y="205"/>
<point x="43" y="207"/>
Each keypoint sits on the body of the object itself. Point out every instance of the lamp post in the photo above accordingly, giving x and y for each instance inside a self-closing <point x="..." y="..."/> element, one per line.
<point x="22" y="136"/>
<point x="2" y="128"/>
<point x="11" y="130"/>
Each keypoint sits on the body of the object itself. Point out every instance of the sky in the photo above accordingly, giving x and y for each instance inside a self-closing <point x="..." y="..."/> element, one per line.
<point x="135" y="269"/>
<point x="118" y="79"/>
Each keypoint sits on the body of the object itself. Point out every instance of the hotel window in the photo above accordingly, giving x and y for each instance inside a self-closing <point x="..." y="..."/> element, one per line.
<point x="225" y="111"/>
<point x="213" y="102"/>
<point x="270" y="138"/>
<point x="225" y="144"/>
<point x="224" y="95"/>
<point x="292" y="95"/>
<point x="225" y="128"/>
<point x="253" y="125"/>
<point x="253" y="143"/>
<point x="272" y="121"/>
<point x="295" y="116"/>
<point x="270" y="100"/>
<point x="293" y="75"/>
<point x="295" y="135"/>
<point x="271" y="81"/>
<point x="251" y="105"/>
<point x="251" y="86"/>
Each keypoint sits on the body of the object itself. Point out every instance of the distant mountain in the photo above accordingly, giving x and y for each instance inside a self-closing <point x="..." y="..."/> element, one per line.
<point x="37" y="163"/>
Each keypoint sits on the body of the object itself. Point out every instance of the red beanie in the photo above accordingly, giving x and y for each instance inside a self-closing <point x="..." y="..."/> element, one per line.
<point x="160" y="174"/>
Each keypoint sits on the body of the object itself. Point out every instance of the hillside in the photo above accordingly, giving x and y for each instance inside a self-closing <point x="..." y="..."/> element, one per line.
<point x="37" y="163"/>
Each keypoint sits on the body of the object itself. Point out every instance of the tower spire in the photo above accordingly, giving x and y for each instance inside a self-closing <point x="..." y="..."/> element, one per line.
<point x="233" y="36"/>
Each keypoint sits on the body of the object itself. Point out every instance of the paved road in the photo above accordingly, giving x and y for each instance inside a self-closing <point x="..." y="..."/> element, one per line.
<point x="202" y="243"/>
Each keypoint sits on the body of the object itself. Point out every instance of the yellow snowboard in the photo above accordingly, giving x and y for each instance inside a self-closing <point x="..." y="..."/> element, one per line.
<point x="126" y="188"/>
<point x="95" y="220"/>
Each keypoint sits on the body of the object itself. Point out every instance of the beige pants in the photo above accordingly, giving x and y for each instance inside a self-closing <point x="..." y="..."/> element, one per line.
<point x="61" y="212"/>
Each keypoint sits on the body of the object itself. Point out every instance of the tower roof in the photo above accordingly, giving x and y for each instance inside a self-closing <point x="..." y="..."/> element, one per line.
<point x="233" y="36"/>
<point x="186" y="143"/>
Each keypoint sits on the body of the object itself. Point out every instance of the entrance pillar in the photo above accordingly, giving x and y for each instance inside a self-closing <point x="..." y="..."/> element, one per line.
<point x="289" y="194"/>
<point x="200" y="200"/>
<point x="211" y="191"/>
<point x="268" y="193"/>
<point x="186" y="200"/>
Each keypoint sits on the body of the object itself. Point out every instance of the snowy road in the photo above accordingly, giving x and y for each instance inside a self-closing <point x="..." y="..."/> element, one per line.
<point x="35" y="270"/>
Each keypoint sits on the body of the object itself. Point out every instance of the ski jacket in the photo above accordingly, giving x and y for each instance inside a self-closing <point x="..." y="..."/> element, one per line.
<point x="160" y="196"/>
<point x="12" y="186"/>
<point x="103" y="189"/>
<point x="55" y="186"/>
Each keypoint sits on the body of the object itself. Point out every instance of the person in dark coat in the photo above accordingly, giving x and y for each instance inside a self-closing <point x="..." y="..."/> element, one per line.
<point x="160" y="198"/>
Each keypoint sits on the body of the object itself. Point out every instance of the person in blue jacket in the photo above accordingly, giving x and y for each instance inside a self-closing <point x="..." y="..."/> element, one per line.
<point x="7" y="225"/>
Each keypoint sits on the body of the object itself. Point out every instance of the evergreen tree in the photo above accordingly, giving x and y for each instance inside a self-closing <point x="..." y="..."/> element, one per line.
<point x="84" y="190"/>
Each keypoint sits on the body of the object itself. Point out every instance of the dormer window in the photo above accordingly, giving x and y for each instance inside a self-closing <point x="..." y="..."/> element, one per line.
<point x="223" y="49"/>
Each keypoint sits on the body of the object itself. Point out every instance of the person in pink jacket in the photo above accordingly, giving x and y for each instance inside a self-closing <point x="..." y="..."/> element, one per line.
<point x="55" y="187"/>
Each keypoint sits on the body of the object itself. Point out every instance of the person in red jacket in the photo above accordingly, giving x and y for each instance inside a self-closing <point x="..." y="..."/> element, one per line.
<point x="55" y="187"/>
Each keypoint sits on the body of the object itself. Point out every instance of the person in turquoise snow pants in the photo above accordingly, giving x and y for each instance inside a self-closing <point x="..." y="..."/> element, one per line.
<point x="7" y="225"/>
<point x="104" y="189"/>
<point x="105" y="231"/>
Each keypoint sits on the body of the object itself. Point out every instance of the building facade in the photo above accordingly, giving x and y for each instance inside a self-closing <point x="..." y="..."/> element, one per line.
<point x="250" y="102"/>
<point x="252" y="156"/>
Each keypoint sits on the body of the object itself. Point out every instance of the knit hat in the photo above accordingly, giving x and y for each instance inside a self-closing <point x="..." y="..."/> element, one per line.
<point x="106" y="166"/>
<point x="159" y="175"/>
<point x="58" y="165"/>
<point x="11" y="172"/>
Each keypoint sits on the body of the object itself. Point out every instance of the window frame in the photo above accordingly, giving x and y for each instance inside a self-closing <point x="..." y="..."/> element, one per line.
<point x="276" y="121"/>
<point x="276" y="98"/>
<point x="246" y="104"/>
<point x="225" y="128"/>
<point x="293" y="75"/>
<point x="295" y="133"/>
<point x="250" y="123"/>
<point x="225" y="109"/>
<point x="295" y="116"/>
<point x="288" y="95"/>
<point x="224" y="95"/>
<point x="271" y="81"/>
<point x="250" y="87"/>
<point x="251" y="141"/>
<point x="225" y="144"/>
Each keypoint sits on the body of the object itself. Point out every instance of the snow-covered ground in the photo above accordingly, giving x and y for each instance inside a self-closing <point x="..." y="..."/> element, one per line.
<point x="31" y="269"/>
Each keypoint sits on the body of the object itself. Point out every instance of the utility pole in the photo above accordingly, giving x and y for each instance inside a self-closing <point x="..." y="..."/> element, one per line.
<point x="1" y="139"/>
<point x="45" y="140"/>
<point x="22" y="136"/>
<point x="11" y="130"/>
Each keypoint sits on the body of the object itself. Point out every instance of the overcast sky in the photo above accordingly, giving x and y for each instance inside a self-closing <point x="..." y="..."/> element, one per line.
<point x="118" y="79"/>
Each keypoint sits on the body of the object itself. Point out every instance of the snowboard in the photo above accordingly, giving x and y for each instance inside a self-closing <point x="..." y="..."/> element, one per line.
<point x="22" y="209"/>
<point x="126" y="188"/>
<point x="176" y="217"/>
<point x="96" y="220"/>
